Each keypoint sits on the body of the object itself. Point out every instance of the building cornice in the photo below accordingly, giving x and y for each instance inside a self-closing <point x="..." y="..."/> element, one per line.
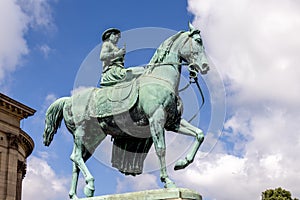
<point x="14" y="107"/>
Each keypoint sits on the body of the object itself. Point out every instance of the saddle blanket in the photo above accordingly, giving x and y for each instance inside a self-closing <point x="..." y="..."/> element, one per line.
<point x="104" y="102"/>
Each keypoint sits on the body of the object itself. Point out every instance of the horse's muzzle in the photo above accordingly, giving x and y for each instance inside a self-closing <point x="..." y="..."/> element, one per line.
<point x="195" y="69"/>
<point x="205" y="68"/>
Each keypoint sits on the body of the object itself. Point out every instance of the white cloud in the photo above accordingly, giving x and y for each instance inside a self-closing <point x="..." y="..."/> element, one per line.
<point x="13" y="23"/>
<point x="42" y="182"/>
<point x="39" y="12"/>
<point x="254" y="44"/>
<point x="227" y="177"/>
<point x="215" y="177"/>
<point x="50" y="98"/>
<point x="45" y="49"/>
<point x="16" y="18"/>
<point x="138" y="183"/>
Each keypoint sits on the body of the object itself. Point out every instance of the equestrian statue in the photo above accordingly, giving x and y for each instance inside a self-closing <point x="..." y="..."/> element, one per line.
<point x="135" y="112"/>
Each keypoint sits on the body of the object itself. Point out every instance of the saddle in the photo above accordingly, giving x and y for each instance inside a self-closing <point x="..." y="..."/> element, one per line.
<point x="104" y="102"/>
<point x="121" y="92"/>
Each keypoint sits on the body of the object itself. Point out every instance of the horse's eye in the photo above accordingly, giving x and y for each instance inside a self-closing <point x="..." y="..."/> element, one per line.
<point x="199" y="41"/>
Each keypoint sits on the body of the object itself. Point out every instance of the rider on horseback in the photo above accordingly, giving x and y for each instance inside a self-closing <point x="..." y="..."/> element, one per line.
<point x="113" y="60"/>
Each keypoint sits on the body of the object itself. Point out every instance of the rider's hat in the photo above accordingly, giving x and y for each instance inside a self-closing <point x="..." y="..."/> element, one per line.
<point x="108" y="32"/>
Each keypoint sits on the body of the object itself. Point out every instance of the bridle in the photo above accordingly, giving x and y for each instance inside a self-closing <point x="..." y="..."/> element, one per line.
<point x="192" y="72"/>
<point x="193" y="76"/>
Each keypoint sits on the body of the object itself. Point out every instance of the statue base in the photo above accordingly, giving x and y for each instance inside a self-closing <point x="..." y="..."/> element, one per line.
<point x="160" y="194"/>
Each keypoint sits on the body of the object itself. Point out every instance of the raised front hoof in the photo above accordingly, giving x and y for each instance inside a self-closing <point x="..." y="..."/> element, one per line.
<point x="181" y="164"/>
<point x="88" y="191"/>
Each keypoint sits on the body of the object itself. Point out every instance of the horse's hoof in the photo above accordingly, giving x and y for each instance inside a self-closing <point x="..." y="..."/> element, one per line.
<point x="170" y="184"/>
<point x="73" y="196"/>
<point x="181" y="164"/>
<point x="88" y="191"/>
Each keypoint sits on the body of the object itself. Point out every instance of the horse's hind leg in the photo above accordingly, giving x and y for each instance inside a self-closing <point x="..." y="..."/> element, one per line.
<point x="75" y="173"/>
<point x="187" y="129"/>
<point x="77" y="158"/>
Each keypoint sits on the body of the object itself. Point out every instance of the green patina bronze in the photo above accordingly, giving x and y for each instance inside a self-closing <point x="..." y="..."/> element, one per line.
<point x="113" y="60"/>
<point x="135" y="111"/>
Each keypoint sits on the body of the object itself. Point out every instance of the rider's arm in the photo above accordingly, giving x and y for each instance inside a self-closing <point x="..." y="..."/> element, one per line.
<point x="107" y="52"/>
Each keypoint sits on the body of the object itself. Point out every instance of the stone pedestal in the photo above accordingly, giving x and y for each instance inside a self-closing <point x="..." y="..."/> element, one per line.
<point x="160" y="194"/>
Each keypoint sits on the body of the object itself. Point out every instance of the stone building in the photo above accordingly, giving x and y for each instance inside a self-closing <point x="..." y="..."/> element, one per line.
<point x="15" y="147"/>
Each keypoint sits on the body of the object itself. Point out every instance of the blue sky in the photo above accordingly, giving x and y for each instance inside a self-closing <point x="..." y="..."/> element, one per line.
<point x="253" y="48"/>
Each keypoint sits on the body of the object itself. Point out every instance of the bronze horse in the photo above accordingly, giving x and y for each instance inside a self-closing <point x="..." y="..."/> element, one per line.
<point x="153" y="107"/>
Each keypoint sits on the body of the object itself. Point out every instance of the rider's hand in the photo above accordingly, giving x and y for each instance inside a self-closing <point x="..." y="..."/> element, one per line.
<point x="121" y="52"/>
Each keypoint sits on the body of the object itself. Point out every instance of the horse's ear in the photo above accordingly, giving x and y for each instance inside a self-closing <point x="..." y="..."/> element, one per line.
<point x="191" y="27"/>
<point x="193" y="30"/>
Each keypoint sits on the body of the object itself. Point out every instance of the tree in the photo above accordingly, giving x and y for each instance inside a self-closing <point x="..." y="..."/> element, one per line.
<point x="277" y="194"/>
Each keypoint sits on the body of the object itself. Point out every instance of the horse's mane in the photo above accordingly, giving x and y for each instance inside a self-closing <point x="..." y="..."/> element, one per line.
<point x="164" y="49"/>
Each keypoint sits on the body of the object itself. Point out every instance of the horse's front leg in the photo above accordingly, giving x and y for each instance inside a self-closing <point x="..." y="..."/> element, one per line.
<point x="188" y="129"/>
<point x="157" y="132"/>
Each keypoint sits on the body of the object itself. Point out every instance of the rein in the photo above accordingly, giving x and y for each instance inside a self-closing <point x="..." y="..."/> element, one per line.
<point x="193" y="79"/>
<point x="202" y="97"/>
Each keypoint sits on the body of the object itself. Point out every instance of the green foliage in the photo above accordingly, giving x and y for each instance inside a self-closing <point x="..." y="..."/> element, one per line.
<point x="277" y="194"/>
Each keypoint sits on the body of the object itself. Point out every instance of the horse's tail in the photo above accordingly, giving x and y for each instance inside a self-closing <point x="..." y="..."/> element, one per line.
<point x="54" y="116"/>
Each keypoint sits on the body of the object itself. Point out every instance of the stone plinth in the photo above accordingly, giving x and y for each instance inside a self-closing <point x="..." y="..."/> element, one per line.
<point x="160" y="194"/>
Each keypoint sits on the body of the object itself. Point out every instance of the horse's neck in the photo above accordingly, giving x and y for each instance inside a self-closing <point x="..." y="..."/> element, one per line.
<point x="169" y="68"/>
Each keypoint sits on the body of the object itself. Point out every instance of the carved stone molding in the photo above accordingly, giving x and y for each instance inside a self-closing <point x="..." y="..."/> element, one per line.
<point x="22" y="168"/>
<point x="13" y="141"/>
<point x="26" y="142"/>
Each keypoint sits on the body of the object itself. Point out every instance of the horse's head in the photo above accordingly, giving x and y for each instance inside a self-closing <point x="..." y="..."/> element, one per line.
<point x="193" y="52"/>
